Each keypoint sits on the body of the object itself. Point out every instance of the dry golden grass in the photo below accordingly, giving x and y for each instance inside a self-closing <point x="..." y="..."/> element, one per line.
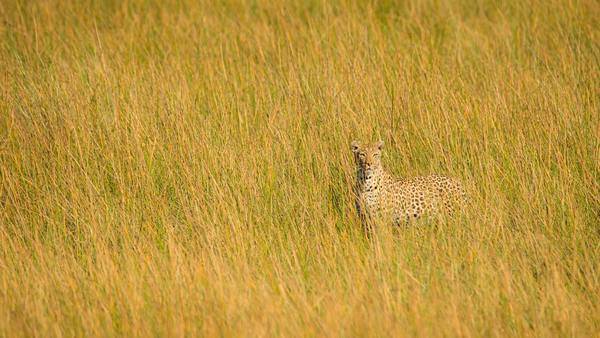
<point x="177" y="169"/>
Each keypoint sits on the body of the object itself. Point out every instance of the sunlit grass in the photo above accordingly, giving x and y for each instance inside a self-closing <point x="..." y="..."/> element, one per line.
<point x="178" y="169"/>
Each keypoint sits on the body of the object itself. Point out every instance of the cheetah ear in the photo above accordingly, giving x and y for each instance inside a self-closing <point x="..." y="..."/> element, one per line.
<point x="355" y="146"/>
<point x="379" y="144"/>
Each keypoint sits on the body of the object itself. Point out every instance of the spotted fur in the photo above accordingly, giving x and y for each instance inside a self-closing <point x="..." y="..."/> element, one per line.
<point x="398" y="201"/>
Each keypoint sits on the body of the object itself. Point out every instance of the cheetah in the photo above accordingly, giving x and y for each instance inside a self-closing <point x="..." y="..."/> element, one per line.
<point x="398" y="201"/>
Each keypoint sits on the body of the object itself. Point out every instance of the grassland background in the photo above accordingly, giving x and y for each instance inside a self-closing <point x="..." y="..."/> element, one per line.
<point x="183" y="168"/>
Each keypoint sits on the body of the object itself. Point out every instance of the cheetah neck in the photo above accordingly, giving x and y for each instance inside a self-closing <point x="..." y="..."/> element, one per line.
<point x="373" y="181"/>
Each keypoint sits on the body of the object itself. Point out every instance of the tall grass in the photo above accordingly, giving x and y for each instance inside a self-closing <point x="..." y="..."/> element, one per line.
<point x="183" y="168"/>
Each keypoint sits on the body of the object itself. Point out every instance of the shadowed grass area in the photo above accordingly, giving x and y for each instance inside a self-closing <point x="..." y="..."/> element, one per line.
<point x="183" y="168"/>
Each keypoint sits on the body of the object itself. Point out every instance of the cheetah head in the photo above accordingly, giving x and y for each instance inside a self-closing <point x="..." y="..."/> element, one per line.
<point x="367" y="157"/>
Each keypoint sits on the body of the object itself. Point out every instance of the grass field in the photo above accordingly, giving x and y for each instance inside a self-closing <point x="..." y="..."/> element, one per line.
<point x="180" y="169"/>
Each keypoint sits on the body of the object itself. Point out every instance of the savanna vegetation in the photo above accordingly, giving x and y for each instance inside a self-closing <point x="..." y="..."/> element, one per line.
<point x="180" y="168"/>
